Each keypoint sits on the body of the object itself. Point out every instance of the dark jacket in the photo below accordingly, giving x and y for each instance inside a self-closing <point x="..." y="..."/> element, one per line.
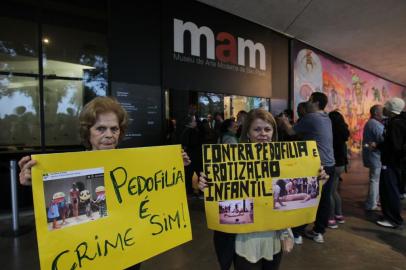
<point x="393" y="148"/>
<point x="191" y="142"/>
<point x="340" y="138"/>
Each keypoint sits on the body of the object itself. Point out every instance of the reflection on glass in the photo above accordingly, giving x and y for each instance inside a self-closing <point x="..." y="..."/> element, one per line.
<point x="75" y="69"/>
<point x="210" y="103"/>
<point x="229" y="106"/>
<point x="248" y="103"/>
<point x="259" y="103"/>
<point x="19" y="99"/>
<point x="19" y="112"/>
<point x="63" y="101"/>
<point x="18" y="50"/>
<point x="239" y="103"/>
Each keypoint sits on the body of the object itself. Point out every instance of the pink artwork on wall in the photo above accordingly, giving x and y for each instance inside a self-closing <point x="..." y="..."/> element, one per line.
<point x="350" y="90"/>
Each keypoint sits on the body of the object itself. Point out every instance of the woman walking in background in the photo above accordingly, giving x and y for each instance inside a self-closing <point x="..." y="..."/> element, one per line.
<point x="340" y="138"/>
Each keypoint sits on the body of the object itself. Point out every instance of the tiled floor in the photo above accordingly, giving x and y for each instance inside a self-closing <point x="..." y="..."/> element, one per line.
<point x="357" y="244"/>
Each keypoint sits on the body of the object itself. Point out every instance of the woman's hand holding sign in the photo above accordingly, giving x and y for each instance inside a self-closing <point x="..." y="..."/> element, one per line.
<point x="185" y="158"/>
<point x="202" y="181"/>
<point x="25" y="164"/>
<point x="322" y="176"/>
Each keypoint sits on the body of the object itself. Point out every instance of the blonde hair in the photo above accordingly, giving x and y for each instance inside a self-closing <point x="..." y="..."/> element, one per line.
<point x="95" y="107"/>
<point x="258" y="114"/>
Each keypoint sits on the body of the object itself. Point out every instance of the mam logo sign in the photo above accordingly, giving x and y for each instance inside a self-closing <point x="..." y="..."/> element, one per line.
<point x="223" y="50"/>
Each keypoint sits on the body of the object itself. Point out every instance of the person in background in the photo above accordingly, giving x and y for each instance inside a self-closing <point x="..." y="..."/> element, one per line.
<point x="373" y="134"/>
<point x="103" y="123"/>
<point x="340" y="138"/>
<point x="210" y="135"/>
<point x="241" y="115"/>
<point x="392" y="153"/>
<point x="301" y="110"/>
<point x="283" y="136"/>
<point x="402" y="185"/>
<point x="228" y="132"/>
<point x="191" y="141"/>
<point x="210" y="121"/>
<point x="289" y="114"/>
<point x="316" y="125"/>
<point x="218" y="121"/>
<point x="170" y="137"/>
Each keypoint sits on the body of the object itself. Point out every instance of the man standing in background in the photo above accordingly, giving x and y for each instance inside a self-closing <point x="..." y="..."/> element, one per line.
<point x="316" y="125"/>
<point x="373" y="134"/>
<point x="393" y="151"/>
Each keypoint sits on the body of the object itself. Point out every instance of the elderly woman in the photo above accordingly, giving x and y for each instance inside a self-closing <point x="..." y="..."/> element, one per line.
<point x="256" y="250"/>
<point x="102" y="125"/>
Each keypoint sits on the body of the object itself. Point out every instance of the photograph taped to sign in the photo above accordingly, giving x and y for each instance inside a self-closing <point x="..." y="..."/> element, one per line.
<point x="236" y="211"/>
<point x="74" y="197"/>
<point x="295" y="193"/>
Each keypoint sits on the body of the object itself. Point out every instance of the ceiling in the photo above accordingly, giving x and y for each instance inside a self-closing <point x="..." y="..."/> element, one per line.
<point x="370" y="34"/>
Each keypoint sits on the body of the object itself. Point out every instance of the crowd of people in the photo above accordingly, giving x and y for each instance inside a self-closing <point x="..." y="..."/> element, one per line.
<point x="384" y="153"/>
<point x="103" y="122"/>
<point x="210" y="130"/>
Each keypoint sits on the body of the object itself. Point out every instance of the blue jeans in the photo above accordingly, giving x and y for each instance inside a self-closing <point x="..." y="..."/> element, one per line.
<point x="373" y="193"/>
<point x="335" y="199"/>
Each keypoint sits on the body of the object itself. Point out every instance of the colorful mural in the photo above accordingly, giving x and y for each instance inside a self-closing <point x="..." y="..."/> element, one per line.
<point x="350" y="90"/>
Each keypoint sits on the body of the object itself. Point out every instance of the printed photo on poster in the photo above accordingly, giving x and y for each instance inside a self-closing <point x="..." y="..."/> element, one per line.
<point x="74" y="197"/>
<point x="295" y="193"/>
<point x="236" y="211"/>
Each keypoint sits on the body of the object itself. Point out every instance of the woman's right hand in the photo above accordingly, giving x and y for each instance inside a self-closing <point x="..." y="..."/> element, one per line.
<point x="322" y="176"/>
<point x="25" y="164"/>
<point x="202" y="181"/>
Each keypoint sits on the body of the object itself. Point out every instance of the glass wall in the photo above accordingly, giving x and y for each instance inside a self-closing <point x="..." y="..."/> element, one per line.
<point x="229" y="105"/>
<point x="210" y="103"/>
<point x="73" y="42"/>
<point x="239" y="103"/>
<point x="19" y="92"/>
<point x="75" y="71"/>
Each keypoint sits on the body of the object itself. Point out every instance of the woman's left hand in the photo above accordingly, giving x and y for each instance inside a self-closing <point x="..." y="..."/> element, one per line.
<point x="322" y="176"/>
<point x="287" y="244"/>
<point x="185" y="158"/>
<point x="202" y="181"/>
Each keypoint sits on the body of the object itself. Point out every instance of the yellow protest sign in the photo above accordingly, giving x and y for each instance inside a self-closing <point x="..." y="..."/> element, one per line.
<point x="109" y="209"/>
<point x="262" y="186"/>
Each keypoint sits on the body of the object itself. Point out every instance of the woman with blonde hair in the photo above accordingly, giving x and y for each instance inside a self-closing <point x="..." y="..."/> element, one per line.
<point x="256" y="250"/>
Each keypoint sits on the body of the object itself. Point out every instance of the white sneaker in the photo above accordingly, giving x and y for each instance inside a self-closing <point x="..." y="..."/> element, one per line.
<point x="385" y="223"/>
<point x="298" y="240"/>
<point x="317" y="237"/>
